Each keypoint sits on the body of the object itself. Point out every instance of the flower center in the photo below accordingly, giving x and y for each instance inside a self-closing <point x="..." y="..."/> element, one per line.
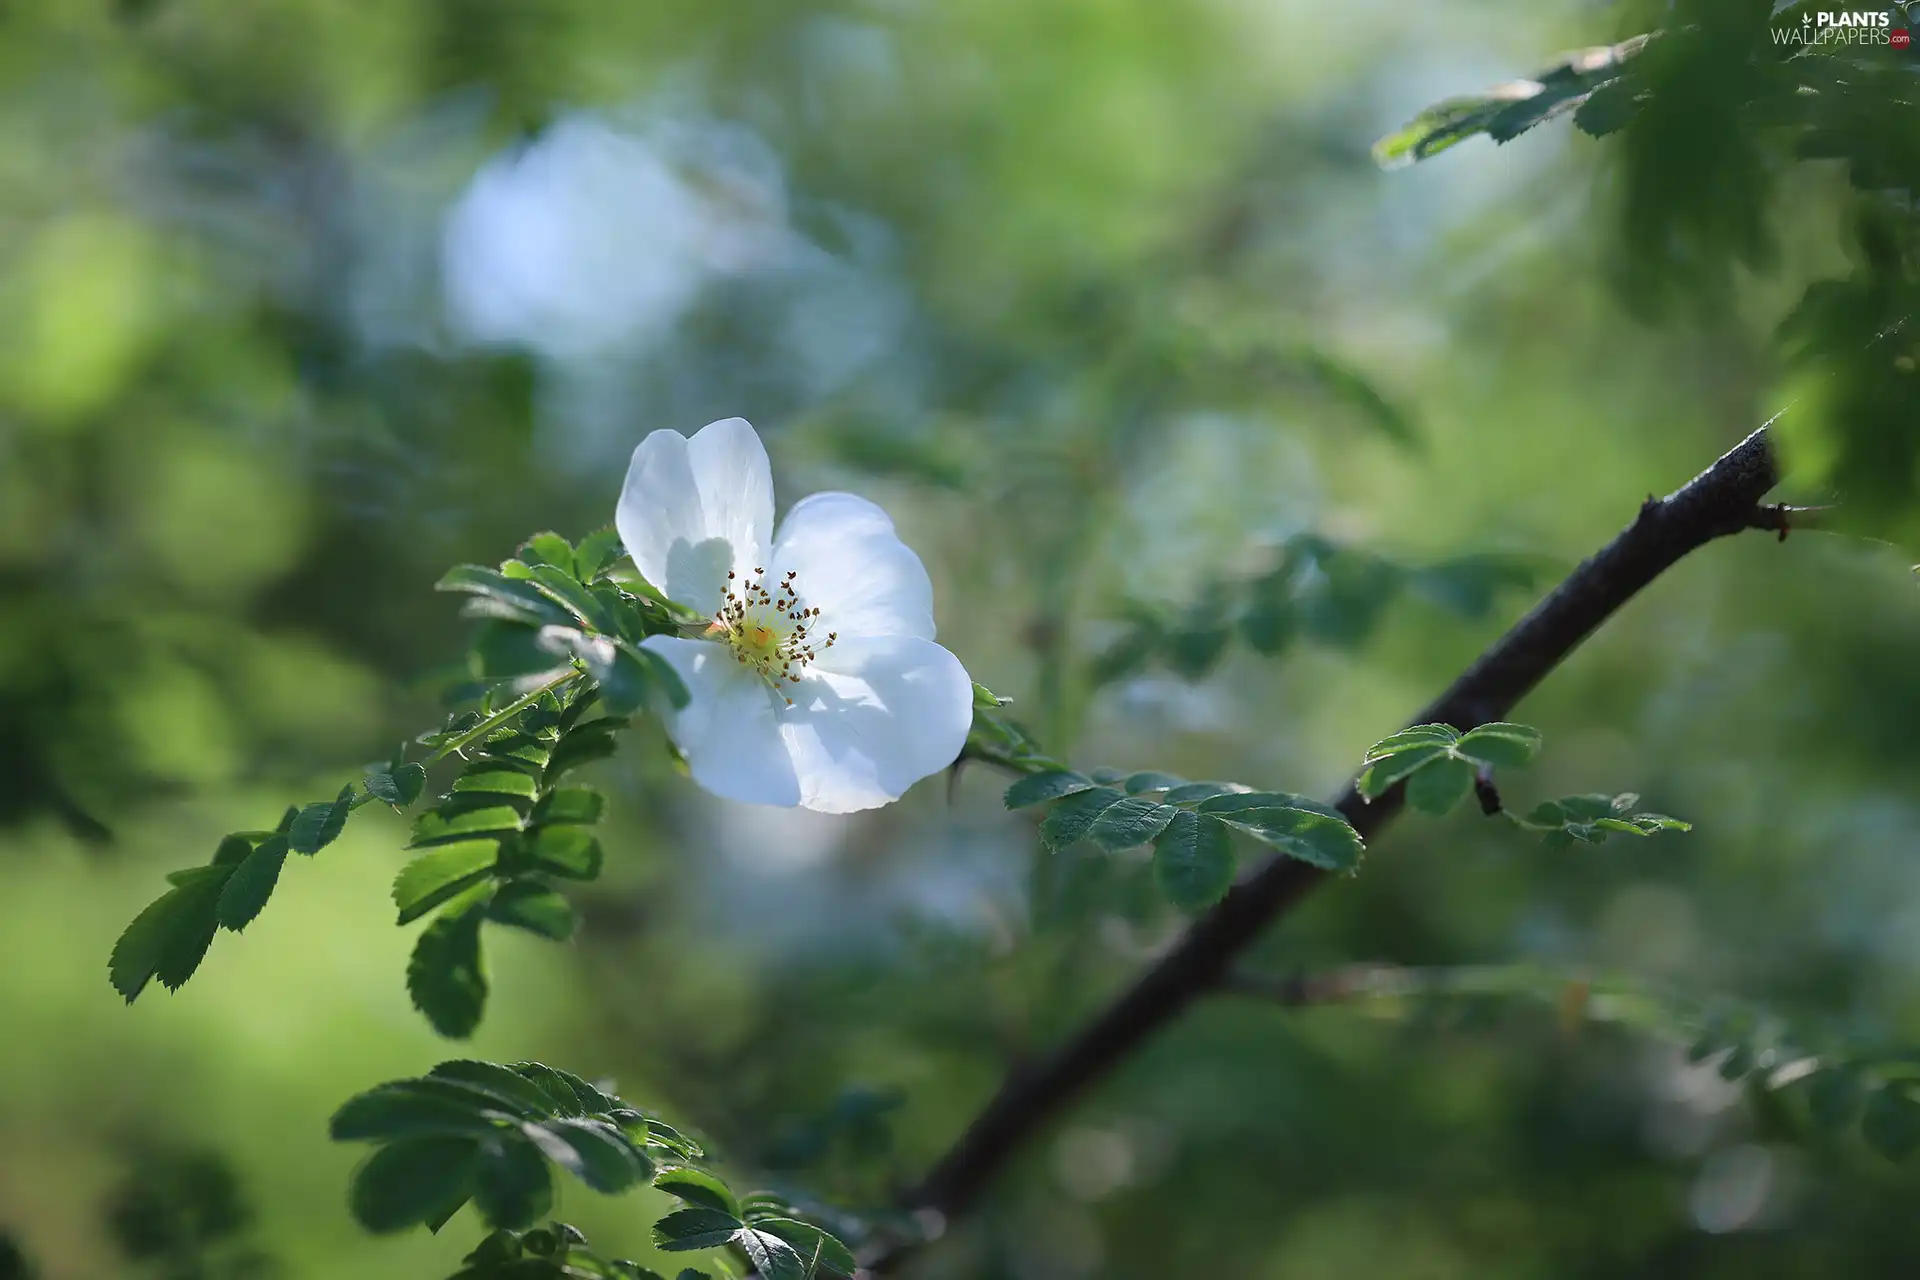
<point x="768" y="629"/>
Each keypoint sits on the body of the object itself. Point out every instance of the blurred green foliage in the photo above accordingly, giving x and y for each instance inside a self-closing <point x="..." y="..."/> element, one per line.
<point x="1108" y="303"/>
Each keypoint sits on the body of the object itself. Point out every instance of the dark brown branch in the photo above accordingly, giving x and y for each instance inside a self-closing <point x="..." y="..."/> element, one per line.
<point x="1722" y="500"/>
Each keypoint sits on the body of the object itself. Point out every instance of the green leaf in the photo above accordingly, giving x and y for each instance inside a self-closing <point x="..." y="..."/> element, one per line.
<point x="1439" y="786"/>
<point x="442" y="873"/>
<point x="510" y="1090"/>
<point x="517" y="750"/>
<point x="558" y="1088"/>
<point x="1151" y="780"/>
<point x="597" y="550"/>
<point x="549" y="548"/>
<point x="512" y="1185"/>
<point x="567" y="851"/>
<point x="1419" y="735"/>
<point x="1193" y="861"/>
<point x="445" y="977"/>
<point x="1502" y="746"/>
<point x="1508" y="110"/>
<point x="1129" y="823"/>
<point x="234" y="849"/>
<point x="698" y="1187"/>
<point x="251" y="884"/>
<point x="818" y="1250"/>
<point x="1325" y="842"/>
<point x="522" y="597"/>
<point x="1194" y="792"/>
<point x="560" y="587"/>
<point x="413" y="1108"/>
<point x="169" y="939"/>
<point x="985" y="699"/>
<point x="1074" y="816"/>
<point x="772" y="1257"/>
<point x="1891" y="1123"/>
<point x="320" y="824"/>
<point x="497" y="782"/>
<point x="582" y="805"/>
<point x="534" y="907"/>
<point x="688" y="1229"/>
<point x="1385" y="770"/>
<point x="582" y="745"/>
<point x="447" y="824"/>
<point x="400" y="786"/>
<point x="1241" y="801"/>
<point x="592" y="1150"/>
<point x="412" y="1181"/>
<point x="1037" y="788"/>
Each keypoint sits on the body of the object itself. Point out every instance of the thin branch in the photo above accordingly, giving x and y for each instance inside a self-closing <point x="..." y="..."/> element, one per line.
<point x="1722" y="500"/>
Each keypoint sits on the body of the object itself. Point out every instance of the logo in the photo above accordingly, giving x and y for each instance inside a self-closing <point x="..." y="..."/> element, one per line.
<point x="1847" y="26"/>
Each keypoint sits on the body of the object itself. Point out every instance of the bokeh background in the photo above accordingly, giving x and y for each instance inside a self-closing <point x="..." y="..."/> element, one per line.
<point x="302" y="302"/>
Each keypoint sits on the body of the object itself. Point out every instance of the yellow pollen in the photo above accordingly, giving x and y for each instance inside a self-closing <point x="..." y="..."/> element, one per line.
<point x="768" y="630"/>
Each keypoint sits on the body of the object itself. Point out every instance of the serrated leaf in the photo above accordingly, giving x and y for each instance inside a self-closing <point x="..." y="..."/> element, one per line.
<point x="1891" y="1123"/>
<point x="1037" y="788"/>
<point x="580" y="746"/>
<point x="517" y="592"/>
<point x="1500" y="746"/>
<point x="510" y="1090"/>
<point x="556" y="1085"/>
<point x="1419" y="735"/>
<point x="512" y="1186"/>
<point x="569" y="851"/>
<point x="1075" y="815"/>
<point x="442" y="873"/>
<point x="772" y="1257"/>
<point x="1385" y="770"/>
<point x="412" y="1108"/>
<point x="169" y="939"/>
<point x="819" y="1251"/>
<point x="596" y="551"/>
<point x="497" y="782"/>
<point x="411" y="1182"/>
<point x="1151" y="780"/>
<point x="1240" y="801"/>
<point x="233" y="849"/>
<point x="582" y="805"/>
<point x="319" y="825"/>
<point x="549" y="548"/>
<point x="561" y="588"/>
<point x="399" y="786"/>
<point x="593" y="1151"/>
<point x="1193" y="861"/>
<point x="533" y="907"/>
<point x="698" y="1187"/>
<point x="251" y="883"/>
<point x="1325" y="842"/>
<point x="1440" y="785"/>
<point x="437" y="826"/>
<point x="687" y="1229"/>
<point x="1195" y="792"/>
<point x="445" y="977"/>
<point x="1129" y="823"/>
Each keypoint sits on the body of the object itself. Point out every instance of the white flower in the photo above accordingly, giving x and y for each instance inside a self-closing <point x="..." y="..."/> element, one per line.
<point x="817" y="682"/>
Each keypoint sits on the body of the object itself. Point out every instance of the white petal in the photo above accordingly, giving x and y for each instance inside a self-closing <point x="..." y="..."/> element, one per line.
<point x="692" y="509"/>
<point x="853" y="567"/>
<point x="729" y="732"/>
<point x="874" y="716"/>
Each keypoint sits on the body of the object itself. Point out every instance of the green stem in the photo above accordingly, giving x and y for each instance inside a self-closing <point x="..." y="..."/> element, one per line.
<point x="500" y="717"/>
